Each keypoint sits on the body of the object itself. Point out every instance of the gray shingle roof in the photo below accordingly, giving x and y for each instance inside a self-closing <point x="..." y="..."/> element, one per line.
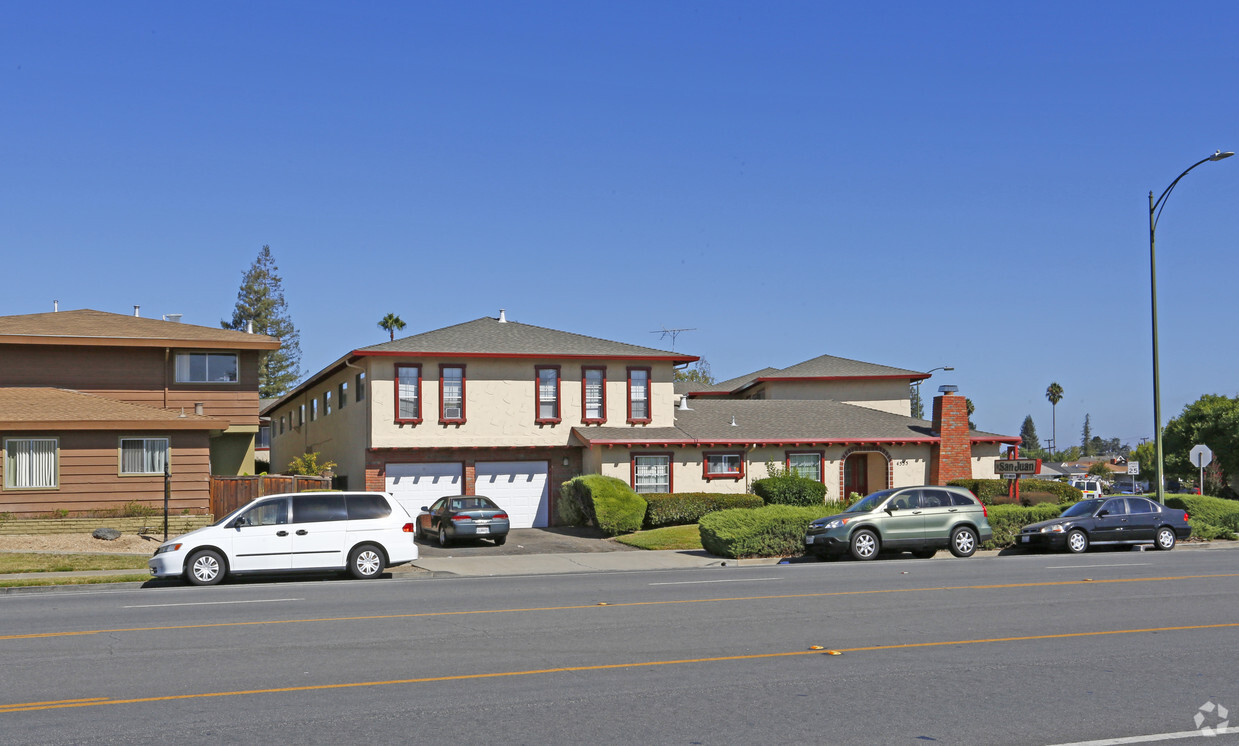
<point x="775" y="420"/>
<point x="823" y="366"/>
<point x="488" y="336"/>
<point x="86" y="326"/>
<point x="44" y="408"/>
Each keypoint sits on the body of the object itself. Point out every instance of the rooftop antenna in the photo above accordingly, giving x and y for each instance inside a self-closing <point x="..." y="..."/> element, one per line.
<point x="673" y="333"/>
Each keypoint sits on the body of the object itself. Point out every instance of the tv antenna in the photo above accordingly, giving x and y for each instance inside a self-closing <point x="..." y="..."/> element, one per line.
<point x="673" y="333"/>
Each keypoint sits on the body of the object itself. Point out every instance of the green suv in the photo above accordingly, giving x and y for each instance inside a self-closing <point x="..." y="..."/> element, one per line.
<point x="920" y="520"/>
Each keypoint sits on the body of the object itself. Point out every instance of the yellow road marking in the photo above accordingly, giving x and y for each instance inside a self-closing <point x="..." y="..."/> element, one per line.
<point x="28" y="707"/>
<point x="425" y="614"/>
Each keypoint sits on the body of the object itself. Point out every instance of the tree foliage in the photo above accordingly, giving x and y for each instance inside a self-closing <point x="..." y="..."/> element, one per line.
<point x="391" y="323"/>
<point x="1029" y="441"/>
<point x="698" y="373"/>
<point x="1211" y="420"/>
<point x="307" y="464"/>
<point x="260" y="300"/>
<point x="918" y="407"/>
<point x="1086" y="437"/>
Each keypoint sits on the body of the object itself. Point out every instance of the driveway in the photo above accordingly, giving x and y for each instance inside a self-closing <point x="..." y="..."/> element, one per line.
<point x="558" y="540"/>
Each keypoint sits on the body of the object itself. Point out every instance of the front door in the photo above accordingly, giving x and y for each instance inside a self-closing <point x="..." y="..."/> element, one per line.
<point x="261" y="539"/>
<point x="903" y="526"/>
<point x="856" y="474"/>
<point x="1113" y="525"/>
<point x="318" y="529"/>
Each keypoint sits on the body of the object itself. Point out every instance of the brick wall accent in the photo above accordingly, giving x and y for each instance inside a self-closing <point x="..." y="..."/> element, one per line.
<point x="890" y="467"/>
<point x="377" y="460"/>
<point x="951" y="458"/>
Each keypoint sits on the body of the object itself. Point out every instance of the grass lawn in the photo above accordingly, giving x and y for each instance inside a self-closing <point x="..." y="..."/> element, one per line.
<point x="94" y="580"/>
<point x="669" y="537"/>
<point x="36" y="562"/>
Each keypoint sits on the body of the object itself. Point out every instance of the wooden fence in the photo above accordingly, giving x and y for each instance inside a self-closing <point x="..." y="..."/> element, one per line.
<point x="230" y="493"/>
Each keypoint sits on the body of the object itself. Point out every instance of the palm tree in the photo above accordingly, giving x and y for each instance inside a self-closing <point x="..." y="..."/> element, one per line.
<point x="1054" y="393"/>
<point x="392" y="323"/>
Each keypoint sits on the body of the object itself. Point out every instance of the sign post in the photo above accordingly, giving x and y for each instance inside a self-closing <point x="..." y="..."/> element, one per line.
<point x="1133" y="471"/>
<point x="1201" y="457"/>
<point x="1013" y="467"/>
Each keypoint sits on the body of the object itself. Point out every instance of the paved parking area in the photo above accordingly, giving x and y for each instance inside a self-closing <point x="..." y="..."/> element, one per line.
<point x="558" y="540"/>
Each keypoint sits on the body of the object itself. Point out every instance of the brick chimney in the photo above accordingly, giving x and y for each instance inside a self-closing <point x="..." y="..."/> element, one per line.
<point x="951" y="458"/>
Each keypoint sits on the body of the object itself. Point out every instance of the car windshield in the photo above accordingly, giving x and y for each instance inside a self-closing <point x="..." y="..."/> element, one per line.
<point x="1084" y="507"/>
<point x="870" y="503"/>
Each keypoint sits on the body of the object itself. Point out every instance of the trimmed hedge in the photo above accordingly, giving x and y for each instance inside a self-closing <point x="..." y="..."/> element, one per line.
<point x="771" y="531"/>
<point x="683" y="508"/>
<point x="607" y="502"/>
<point x="1215" y="510"/>
<point x="1209" y="532"/>
<point x="790" y="489"/>
<point x="994" y="491"/>
<point x="1007" y="520"/>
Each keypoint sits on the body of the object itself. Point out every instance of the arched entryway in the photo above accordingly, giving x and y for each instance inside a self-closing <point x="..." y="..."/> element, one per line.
<point x="865" y="471"/>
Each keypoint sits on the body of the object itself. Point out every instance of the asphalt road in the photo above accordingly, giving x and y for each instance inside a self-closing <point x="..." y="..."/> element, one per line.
<point x="1032" y="649"/>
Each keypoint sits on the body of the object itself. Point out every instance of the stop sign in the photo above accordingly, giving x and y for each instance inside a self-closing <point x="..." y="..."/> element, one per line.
<point x="1201" y="456"/>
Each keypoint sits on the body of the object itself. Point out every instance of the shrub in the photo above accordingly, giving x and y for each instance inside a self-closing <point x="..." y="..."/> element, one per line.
<point x="771" y="531"/>
<point x="1007" y="520"/>
<point x="994" y="491"/>
<point x="790" y="489"/>
<point x="1213" y="510"/>
<point x="1209" y="532"/>
<point x="683" y="508"/>
<point x="606" y="502"/>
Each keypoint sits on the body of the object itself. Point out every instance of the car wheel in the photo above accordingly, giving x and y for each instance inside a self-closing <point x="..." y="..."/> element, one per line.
<point x="924" y="553"/>
<point x="443" y="540"/>
<point x="205" y="567"/>
<point x="501" y="540"/>
<point x="1165" y="539"/>
<point x="864" y="545"/>
<point x="1077" y="542"/>
<point x="963" y="542"/>
<point x="365" y="562"/>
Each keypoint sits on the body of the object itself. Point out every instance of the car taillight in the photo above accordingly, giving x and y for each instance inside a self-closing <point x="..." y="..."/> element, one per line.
<point x="462" y="518"/>
<point x="408" y="528"/>
<point x="1186" y="517"/>
<point x="984" y="512"/>
<point x="500" y="517"/>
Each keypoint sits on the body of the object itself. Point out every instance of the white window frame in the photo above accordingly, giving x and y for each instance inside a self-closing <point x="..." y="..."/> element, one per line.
<point x="184" y="367"/>
<point x="154" y="459"/>
<point x="817" y="463"/>
<point x="653" y="463"/>
<point x="12" y="471"/>
<point x="715" y="461"/>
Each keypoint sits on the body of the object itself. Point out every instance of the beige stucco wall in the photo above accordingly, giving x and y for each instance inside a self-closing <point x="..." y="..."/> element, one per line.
<point x="500" y="403"/>
<point x="887" y="396"/>
<point x="338" y="437"/>
<point x="983" y="457"/>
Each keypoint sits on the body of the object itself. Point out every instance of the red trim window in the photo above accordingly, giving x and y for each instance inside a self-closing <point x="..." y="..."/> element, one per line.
<point x="722" y="465"/>
<point x="638" y="395"/>
<point x="409" y="394"/>
<point x="808" y="464"/>
<point x="452" y="394"/>
<point x="651" y="472"/>
<point x="546" y="389"/>
<point x="593" y="395"/>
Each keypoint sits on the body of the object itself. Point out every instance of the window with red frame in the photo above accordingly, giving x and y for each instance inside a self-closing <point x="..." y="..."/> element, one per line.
<point x="548" y="393"/>
<point x="594" y="395"/>
<point x="409" y="393"/>
<point x="452" y="393"/>
<point x="723" y="465"/>
<point x="807" y="465"/>
<point x="638" y="394"/>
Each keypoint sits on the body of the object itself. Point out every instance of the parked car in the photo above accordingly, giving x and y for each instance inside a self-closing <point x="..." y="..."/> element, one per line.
<point x="361" y="532"/>
<point x="1117" y="520"/>
<point x="464" y="517"/>
<point x="920" y="520"/>
<point x="1091" y="488"/>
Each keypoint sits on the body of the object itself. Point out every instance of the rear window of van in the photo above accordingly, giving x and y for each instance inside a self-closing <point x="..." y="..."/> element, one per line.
<point x="318" y="508"/>
<point x="363" y="507"/>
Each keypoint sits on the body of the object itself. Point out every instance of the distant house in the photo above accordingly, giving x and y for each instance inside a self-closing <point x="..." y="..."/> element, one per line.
<point x="510" y="410"/>
<point x="94" y="404"/>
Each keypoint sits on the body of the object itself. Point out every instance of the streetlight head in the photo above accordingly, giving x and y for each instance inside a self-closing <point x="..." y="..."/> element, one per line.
<point x="1219" y="155"/>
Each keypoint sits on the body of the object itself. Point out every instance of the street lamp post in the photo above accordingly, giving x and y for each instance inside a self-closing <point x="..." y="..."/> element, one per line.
<point x="1155" y="212"/>
<point x="920" y="401"/>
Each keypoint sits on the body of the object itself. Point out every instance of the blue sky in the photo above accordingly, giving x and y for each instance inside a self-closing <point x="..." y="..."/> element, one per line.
<point x="913" y="184"/>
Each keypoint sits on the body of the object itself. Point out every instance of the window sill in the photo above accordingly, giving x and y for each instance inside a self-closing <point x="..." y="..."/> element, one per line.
<point x="732" y="475"/>
<point x="416" y="421"/>
<point x="550" y="421"/>
<point x="602" y="421"/>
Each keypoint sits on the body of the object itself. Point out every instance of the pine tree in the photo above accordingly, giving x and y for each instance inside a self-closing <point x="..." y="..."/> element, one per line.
<point x="1028" y="436"/>
<point x="1086" y="439"/>
<point x="261" y="301"/>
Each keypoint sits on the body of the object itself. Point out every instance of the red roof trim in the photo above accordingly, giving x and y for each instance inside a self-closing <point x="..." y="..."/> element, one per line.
<point x="524" y="355"/>
<point x="759" y="442"/>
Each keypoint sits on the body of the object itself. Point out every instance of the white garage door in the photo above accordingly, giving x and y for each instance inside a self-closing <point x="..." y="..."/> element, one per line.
<point x="415" y="485"/>
<point x="519" y="487"/>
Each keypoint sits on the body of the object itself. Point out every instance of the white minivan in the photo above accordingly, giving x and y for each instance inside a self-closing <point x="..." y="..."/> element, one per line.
<point x="362" y="532"/>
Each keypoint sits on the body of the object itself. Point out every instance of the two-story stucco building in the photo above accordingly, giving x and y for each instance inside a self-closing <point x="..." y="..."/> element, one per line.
<point x="93" y="405"/>
<point x="510" y="410"/>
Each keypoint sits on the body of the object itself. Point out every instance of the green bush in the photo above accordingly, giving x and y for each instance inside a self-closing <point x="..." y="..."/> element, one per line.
<point x="994" y="491"/>
<point x="771" y="531"/>
<point x="682" y="508"/>
<point x="790" y="489"/>
<point x="1214" y="510"/>
<point x="1007" y="520"/>
<point x="1209" y="532"/>
<point x="607" y="502"/>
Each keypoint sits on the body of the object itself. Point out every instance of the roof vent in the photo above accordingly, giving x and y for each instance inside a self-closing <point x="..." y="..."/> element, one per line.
<point x="948" y="389"/>
<point x="175" y="317"/>
<point x="137" y="310"/>
<point x="249" y="326"/>
<point x="503" y="316"/>
<point x="733" y="421"/>
<point x="684" y="404"/>
<point x="55" y="306"/>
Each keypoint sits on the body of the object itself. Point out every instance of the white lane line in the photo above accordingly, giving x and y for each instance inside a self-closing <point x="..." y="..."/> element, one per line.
<point x="1151" y="738"/>
<point x="1077" y="567"/>
<point x="701" y="582"/>
<point x="214" y="603"/>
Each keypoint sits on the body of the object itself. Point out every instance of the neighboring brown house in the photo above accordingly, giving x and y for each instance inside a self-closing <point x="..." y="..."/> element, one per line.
<point x="94" y="404"/>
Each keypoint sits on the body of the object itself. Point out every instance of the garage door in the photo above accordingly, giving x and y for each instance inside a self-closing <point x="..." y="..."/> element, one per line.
<point x="519" y="487"/>
<point x="415" y="485"/>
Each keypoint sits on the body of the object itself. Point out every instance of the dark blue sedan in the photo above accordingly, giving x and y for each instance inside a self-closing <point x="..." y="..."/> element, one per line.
<point x="1109" y="521"/>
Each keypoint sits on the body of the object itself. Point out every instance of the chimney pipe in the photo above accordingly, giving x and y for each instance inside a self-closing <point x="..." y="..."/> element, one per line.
<point x="249" y="326"/>
<point x="55" y="306"/>
<point x="137" y="310"/>
<point x="503" y="316"/>
<point x="198" y="408"/>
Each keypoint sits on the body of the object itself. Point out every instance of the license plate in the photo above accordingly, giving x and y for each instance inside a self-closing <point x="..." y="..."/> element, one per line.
<point x="1024" y="539"/>
<point x="483" y="529"/>
<point x="808" y="539"/>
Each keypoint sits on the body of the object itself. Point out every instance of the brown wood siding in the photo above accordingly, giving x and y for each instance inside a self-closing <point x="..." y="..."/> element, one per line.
<point x="89" y="476"/>
<point x="134" y="375"/>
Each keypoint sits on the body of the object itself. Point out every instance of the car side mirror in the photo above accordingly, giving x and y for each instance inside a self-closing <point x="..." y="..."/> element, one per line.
<point x="1102" y="513"/>
<point x="425" y="509"/>
<point x="240" y="521"/>
<point x="891" y="508"/>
